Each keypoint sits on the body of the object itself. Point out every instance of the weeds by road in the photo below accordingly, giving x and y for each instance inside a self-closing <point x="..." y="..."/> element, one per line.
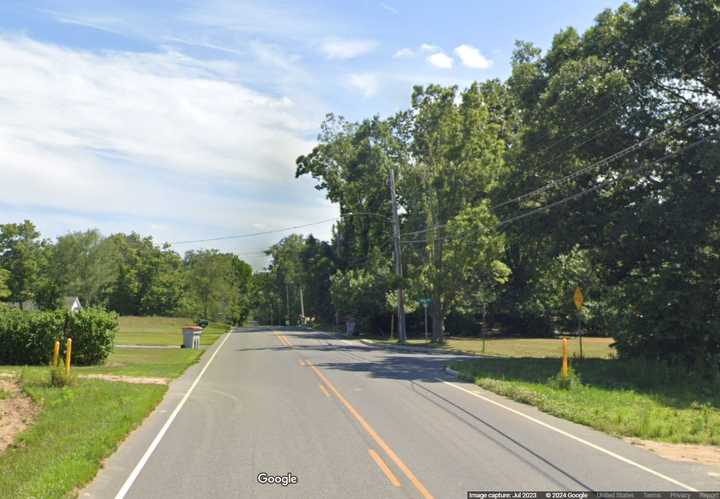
<point x="624" y="398"/>
<point x="76" y="429"/>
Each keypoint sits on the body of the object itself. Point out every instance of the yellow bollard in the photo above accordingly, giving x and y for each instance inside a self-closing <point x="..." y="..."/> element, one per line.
<point x="565" y="359"/>
<point x="68" y="352"/>
<point x="56" y="354"/>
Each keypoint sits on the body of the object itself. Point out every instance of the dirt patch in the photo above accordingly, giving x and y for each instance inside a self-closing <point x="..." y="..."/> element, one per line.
<point x="17" y="411"/>
<point x="140" y="380"/>
<point x="702" y="454"/>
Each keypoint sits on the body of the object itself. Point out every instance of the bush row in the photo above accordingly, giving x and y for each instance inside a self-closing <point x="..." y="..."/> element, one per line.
<point x="28" y="337"/>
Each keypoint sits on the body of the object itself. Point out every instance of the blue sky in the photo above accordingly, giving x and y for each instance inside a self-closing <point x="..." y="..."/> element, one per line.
<point x="182" y="119"/>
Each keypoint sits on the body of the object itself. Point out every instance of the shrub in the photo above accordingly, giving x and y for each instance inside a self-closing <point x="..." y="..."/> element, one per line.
<point x="93" y="333"/>
<point x="59" y="377"/>
<point x="570" y="383"/>
<point x="28" y="337"/>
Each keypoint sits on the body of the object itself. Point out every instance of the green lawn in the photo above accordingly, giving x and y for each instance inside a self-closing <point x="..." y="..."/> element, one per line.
<point x="161" y="331"/>
<point x="160" y="363"/>
<point x="76" y="429"/>
<point x="593" y="347"/>
<point x="151" y="362"/>
<point x="623" y="398"/>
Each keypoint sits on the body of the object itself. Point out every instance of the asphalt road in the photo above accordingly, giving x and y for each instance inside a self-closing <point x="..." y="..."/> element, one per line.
<point x="352" y="421"/>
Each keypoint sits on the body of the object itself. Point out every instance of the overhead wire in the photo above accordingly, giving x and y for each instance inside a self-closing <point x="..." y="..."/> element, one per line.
<point x="594" y="188"/>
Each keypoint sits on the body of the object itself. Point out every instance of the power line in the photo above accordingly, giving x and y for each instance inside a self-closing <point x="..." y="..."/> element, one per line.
<point x="623" y="101"/>
<point x="593" y="188"/>
<point x="274" y="231"/>
<point x="609" y="159"/>
<point x="605" y="183"/>
<point x="254" y="234"/>
<point x="603" y="162"/>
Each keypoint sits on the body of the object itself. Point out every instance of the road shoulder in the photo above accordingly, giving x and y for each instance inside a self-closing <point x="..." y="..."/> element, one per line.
<point x="120" y="464"/>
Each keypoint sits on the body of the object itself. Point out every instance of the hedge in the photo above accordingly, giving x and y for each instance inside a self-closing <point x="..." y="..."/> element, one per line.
<point x="27" y="338"/>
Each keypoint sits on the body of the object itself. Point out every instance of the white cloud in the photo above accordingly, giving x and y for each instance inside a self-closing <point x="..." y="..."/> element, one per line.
<point x="389" y="8"/>
<point x="426" y="47"/>
<point x="403" y="53"/>
<point x="368" y="84"/>
<point x="440" y="60"/>
<point x="471" y="57"/>
<point x="347" y="49"/>
<point x="156" y="137"/>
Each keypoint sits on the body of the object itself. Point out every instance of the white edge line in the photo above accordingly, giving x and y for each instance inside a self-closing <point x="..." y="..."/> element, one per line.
<point x="570" y="435"/>
<point x="143" y="460"/>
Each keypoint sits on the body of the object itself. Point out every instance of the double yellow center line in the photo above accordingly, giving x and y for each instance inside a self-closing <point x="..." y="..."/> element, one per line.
<point x="370" y="431"/>
<point x="283" y="339"/>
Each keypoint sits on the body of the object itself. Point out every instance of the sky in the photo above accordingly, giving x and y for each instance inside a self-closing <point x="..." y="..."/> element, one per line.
<point x="182" y="119"/>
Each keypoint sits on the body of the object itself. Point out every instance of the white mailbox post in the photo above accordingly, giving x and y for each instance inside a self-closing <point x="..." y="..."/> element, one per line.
<point x="191" y="337"/>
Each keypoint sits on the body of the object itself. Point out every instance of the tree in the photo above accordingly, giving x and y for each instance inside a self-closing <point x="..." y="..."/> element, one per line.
<point x="287" y="272"/>
<point x="209" y="281"/>
<point x="20" y="254"/>
<point x="457" y="162"/>
<point x="474" y="250"/>
<point x="81" y="264"/>
<point x="241" y="295"/>
<point x="4" y="289"/>
<point x="266" y="302"/>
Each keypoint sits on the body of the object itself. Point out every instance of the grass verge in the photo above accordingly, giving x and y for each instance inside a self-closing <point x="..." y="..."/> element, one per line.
<point x="146" y="362"/>
<point x="76" y="429"/>
<point x="623" y="398"/>
<point x="593" y="347"/>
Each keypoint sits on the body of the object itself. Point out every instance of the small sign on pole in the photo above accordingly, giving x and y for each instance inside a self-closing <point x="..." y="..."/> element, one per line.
<point x="578" y="298"/>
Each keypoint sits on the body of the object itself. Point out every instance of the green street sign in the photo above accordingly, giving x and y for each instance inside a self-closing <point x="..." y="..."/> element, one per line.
<point x="425" y="301"/>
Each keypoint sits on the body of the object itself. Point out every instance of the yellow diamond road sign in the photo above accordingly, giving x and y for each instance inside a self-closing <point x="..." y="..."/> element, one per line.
<point x="579" y="298"/>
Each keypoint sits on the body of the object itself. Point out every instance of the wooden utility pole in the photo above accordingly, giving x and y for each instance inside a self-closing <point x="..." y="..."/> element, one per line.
<point x="302" y="306"/>
<point x="402" y="335"/>
<point x="287" y="302"/>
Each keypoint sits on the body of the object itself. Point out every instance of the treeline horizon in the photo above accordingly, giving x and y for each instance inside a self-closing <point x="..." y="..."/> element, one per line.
<point x="126" y="273"/>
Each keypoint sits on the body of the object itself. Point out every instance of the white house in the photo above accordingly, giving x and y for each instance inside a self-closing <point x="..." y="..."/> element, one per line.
<point x="71" y="303"/>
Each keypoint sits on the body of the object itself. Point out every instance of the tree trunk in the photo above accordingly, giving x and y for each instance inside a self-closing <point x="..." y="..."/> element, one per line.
<point x="437" y="318"/>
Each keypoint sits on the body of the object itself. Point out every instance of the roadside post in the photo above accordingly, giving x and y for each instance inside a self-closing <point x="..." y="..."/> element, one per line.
<point x="56" y="353"/>
<point x="68" y="353"/>
<point x="484" y="328"/>
<point x="579" y="299"/>
<point x="565" y="359"/>
<point x="425" y="302"/>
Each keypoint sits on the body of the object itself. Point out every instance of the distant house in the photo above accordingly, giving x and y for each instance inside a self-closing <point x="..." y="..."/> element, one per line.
<point x="71" y="303"/>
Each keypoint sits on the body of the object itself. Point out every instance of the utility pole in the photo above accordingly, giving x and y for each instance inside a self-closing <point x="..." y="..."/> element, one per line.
<point x="302" y="306"/>
<point x="402" y="335"/>
<point x="287" y="302"/>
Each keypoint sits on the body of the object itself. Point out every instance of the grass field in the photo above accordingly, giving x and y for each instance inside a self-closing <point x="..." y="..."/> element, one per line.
<point x="593" y="347"/>
<point x="161" y="331"/>
<point x="76" y="429"/>
<point x="623" y="398"/>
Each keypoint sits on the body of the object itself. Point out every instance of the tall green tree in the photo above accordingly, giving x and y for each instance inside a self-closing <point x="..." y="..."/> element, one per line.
<point x="4" y="289"/>
<point x="21" y="254"/>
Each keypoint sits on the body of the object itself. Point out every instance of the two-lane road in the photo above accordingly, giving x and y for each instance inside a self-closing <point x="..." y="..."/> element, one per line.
<point x="353" y="421"/>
